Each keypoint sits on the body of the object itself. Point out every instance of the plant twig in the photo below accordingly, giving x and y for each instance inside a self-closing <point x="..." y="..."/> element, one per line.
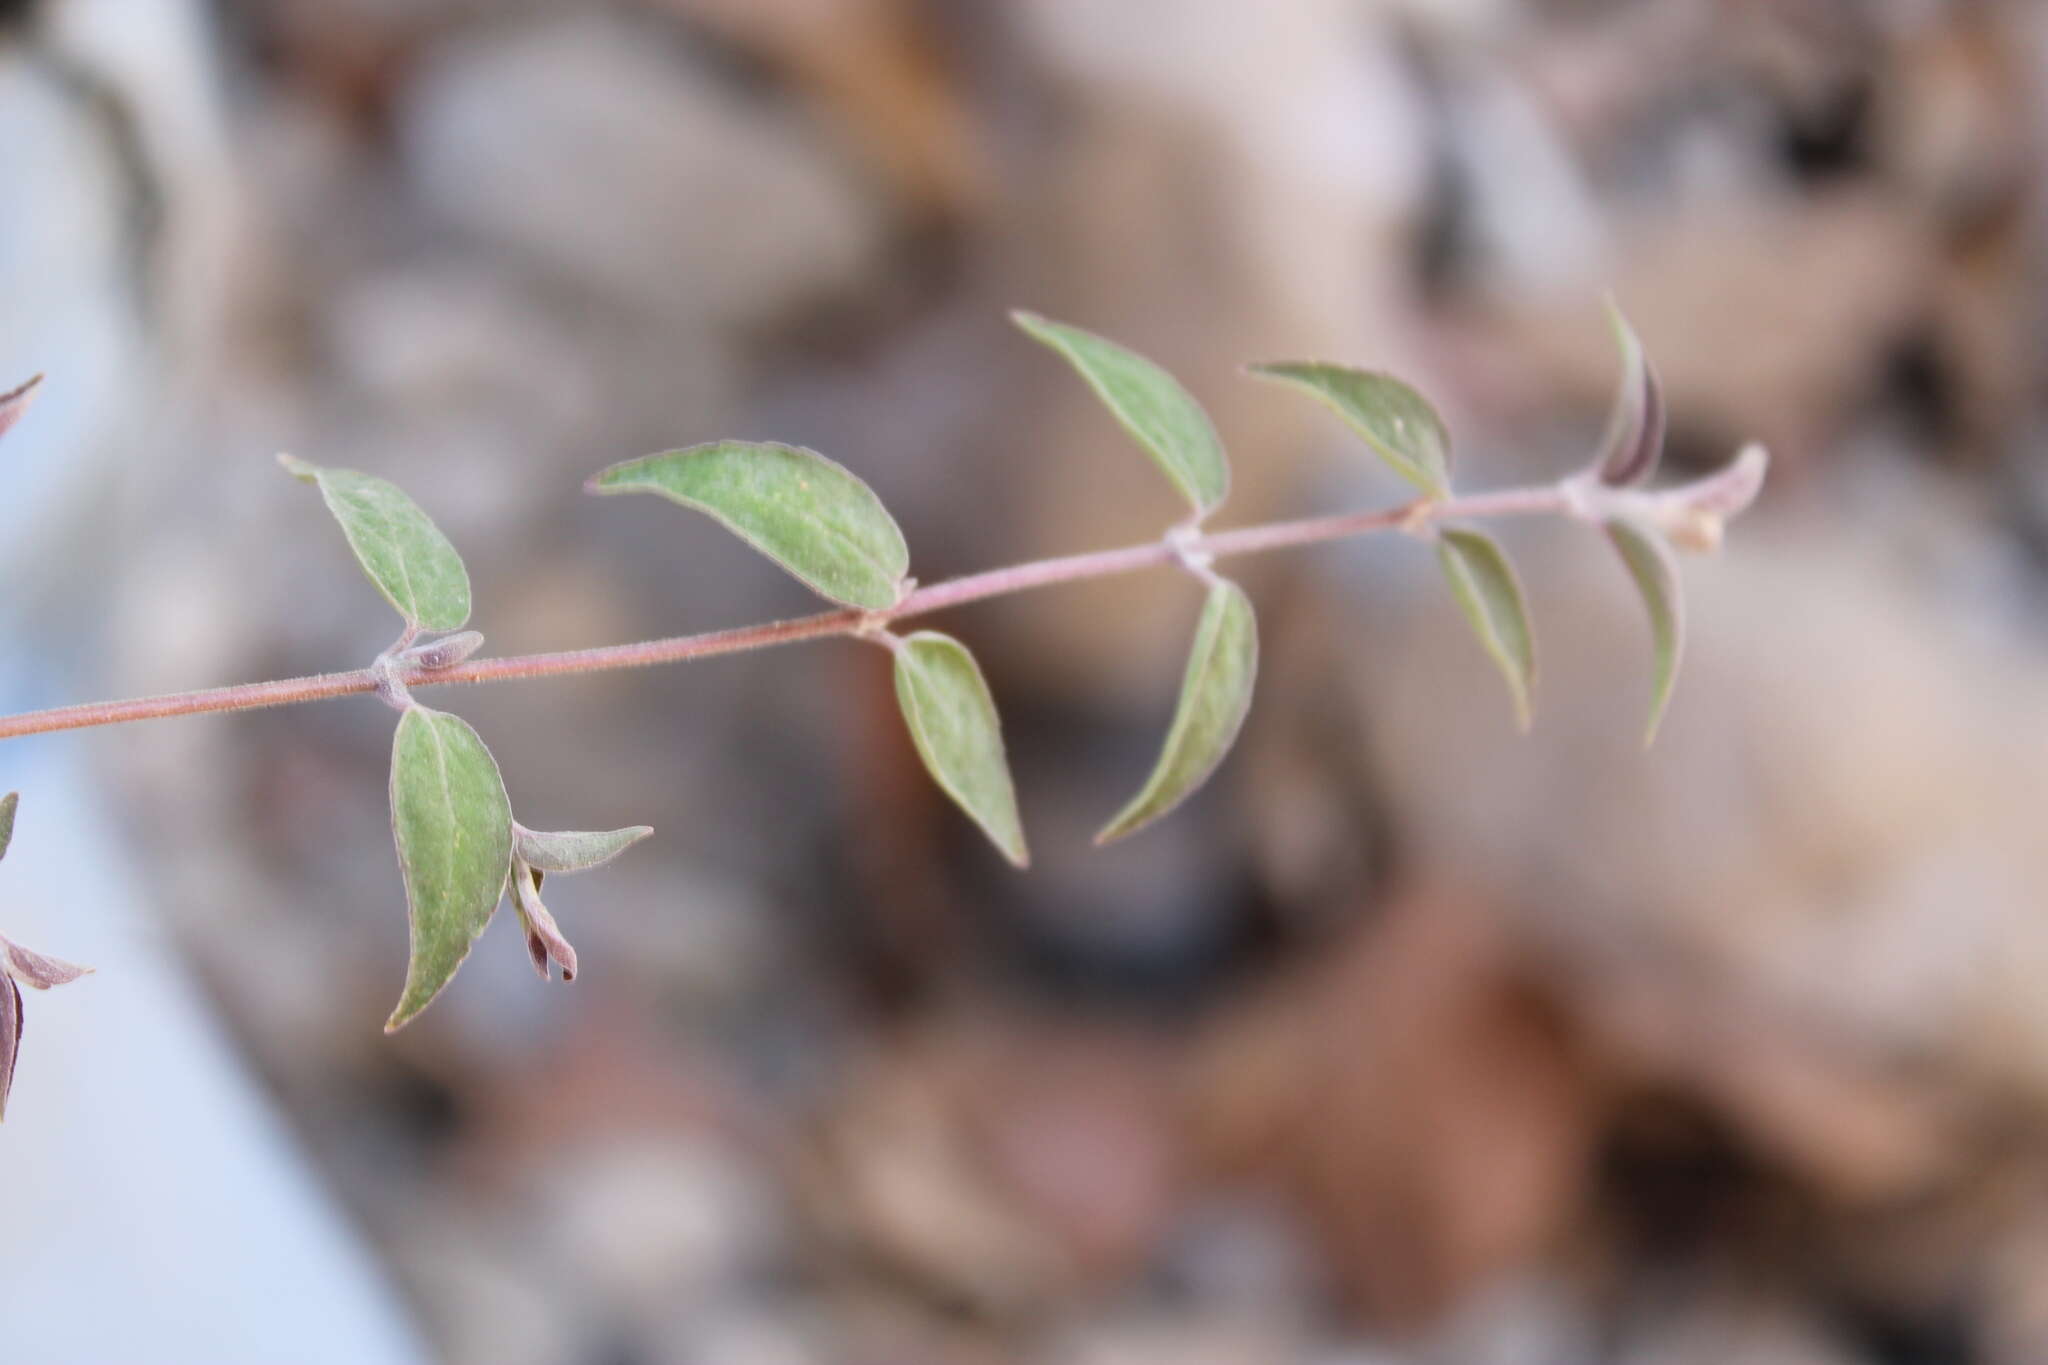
<point x="1537" y="501"/>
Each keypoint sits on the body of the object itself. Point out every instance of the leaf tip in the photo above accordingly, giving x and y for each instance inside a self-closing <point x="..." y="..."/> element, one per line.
<point x="298" y="468"/>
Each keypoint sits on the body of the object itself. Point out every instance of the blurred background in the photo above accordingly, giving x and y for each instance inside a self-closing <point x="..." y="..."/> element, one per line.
<point x="1409" y="1042"/>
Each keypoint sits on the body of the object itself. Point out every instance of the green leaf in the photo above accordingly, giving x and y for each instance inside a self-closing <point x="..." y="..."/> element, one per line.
<point x="1214" y="696"/>
<point x="453" y="824"/>
<point x="1635" y="426"/>
<point x="953" y="722"/>
<point x="1396" y="421"/>
<point x="1151" y="404"/>
<point x="8" y="803"/>
<point x="576" y="850"/>
<point x="399" y="547"/>
<point x="807" y="513"/>
<point x="1486" y="588"/>
<point x="1655" y="571"/>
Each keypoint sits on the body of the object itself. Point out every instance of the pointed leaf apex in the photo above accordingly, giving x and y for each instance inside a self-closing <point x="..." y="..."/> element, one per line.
<point x="15" y="402"/>
<point x="298" y="468"/>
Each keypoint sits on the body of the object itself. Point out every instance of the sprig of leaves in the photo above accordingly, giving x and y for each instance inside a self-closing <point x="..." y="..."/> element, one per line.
<point x="459" y="848"/>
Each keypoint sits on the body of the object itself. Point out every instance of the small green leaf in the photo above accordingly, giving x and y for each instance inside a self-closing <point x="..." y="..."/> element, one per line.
<point x="1635" y="425"/>
<point x="453" y="825"/>
<point x="1214" y="696"/>
<point x="953" y="722"/>
<point x="1396" y="421"/>
<point x="399" y="547"/>
<point x="1486" y="588"/>
<point x="7" y="807"/>
<point x="15" y="402"/>
<point x="1151" y="404"/>
<point x="807" y="513"/>
<point x="1655" y="571"/>
<point x="576" y="850"/>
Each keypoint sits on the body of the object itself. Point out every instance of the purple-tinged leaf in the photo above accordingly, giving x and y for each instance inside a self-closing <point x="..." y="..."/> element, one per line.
<point x="14" y="403"/>
<point x="7" y="808"/>
<point x="1486" y="588"/>
<point x="10" y="1038"/>
<point x="544" y="938"/>
<point x="1635" y="426"/>
<point x="34" y="969"/>
<point x="576" y="850"/>
<point x="446" y="652"/>
<point x="1654" y="570"/>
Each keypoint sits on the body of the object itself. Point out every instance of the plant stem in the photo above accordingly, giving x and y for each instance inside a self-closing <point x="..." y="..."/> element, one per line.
<point x="1539" y="501"/>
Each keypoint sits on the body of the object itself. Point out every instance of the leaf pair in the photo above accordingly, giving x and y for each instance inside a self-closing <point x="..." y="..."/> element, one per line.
<point x="1216" y="689"/>
<point x="1409" y="436"/>
<point x="459" y="849"/>
<point x="458" y="845"/>
<point x="952" y="720"/>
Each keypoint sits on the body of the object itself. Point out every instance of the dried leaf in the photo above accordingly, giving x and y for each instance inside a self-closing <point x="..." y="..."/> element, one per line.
<point x="7" y="807"/>
<point x="953" y="722"/>
<point x="15" y="402"/>
<point x="1486" y="587"/>
<point x="453" y="826"/>
<point x="1397" y="422"/>
<point x="576" y="850"/>
<point x="1152" y="406"/>
<point x="1654" y="569"/>
<point x="1635" y="425"/>
<point x="1215" y="694"/>
<point x="807" y="513"/>
<point x="401" y="550"/>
